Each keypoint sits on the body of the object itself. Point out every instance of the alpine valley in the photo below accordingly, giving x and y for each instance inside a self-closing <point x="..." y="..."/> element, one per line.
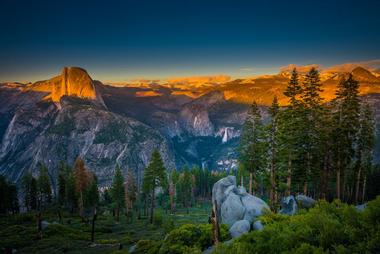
<point x="189" y="122"/>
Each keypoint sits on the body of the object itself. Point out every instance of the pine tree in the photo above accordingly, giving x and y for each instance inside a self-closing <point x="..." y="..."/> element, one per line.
<point x="71" y="195"/>
<point x="293" y="90"/>
<point x="364" y="147"/>
<point x="130" y="192"/>
<point x="44" y="188"/>
<point x="92" y="193"/>
<point x="82" y="179"/>
<point x="154" y="176"/>
<point x="252" y="145"/>
<point x="185" y="188"/>
<point x="312" y="115"/>
<point x="172" y="188"/>
<point x="288" y="127"/>
<point x="346" y="122"/>
<point x="29" y="191"/>
<point x="8" y="197"/>
<point x="62" y="176"/>
<point x="273" y="147"/>
<point x="118" y="191"/>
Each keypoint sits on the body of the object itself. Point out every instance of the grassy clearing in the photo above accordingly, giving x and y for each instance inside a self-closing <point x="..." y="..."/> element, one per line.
<point x="73" y="236"/>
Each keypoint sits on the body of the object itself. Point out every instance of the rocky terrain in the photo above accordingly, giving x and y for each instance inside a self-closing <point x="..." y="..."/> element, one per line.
<point x="193" y="123"/>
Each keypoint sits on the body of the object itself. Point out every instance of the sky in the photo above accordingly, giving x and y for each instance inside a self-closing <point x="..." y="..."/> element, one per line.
<point x="135" y="39"/>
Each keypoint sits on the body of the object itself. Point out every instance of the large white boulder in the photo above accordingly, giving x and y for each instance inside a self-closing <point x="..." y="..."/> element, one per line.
<point x="219" y="189"/>
<point x="232" y="209"/>
<point x="240" y="227"/>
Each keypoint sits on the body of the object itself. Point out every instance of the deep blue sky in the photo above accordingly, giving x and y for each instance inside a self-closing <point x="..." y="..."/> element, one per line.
<point x="119" y="40"/>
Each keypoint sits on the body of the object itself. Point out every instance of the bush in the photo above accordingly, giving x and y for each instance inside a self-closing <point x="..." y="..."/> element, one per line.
<point x="191" y="238"/>
<point x="157" y="219"/>
<point x="147" y="247"/>
<point x="168" y="225"/>
<point x="327" y="228"/>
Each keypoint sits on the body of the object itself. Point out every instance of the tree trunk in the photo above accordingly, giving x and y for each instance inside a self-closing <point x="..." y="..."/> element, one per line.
<point x="358" y="185"/>
<point x="289" y="177"/>
<point x="250" y="183"/>
<point x="305" y="188"/>
<point x="93" y="226"/>
<point x="272" y="185"/>
<point x="338" y="181"/>
<point x="215" y="223"/>
<point x="117" y="213"/>
<point x="152" y="207"/>
<point x="81" y="211"/>
<point x="39" y="224"/>
<point x="364" y="186"/>
<point x="242" y="180"/>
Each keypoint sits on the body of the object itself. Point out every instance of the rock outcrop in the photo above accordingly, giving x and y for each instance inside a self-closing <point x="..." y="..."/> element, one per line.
<point x="236" y="207"/>
<point x="289" y="204"/>
<point x="73" y="81"/>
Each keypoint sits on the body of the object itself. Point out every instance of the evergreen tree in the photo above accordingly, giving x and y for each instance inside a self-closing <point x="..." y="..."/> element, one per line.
<point x="289" y="131"/>
<point x="44" y="188"/>
<point x="29" y="191"/>
<point x="293" y="90"/>
<point x="62" y="177"/>
<point x="118" y="191"/>
<point x="154" y="176"/>
<point x="364" y="147"/>
<point x="130" y="192"/>
<point x="252" y="145"/>
<point x="92" y="193"/>
<point x="8" y="197"/>
<point x="346" y="122"/>
<point x="71" y="196"/>
<point x="185" y="188"/>
<point x="273" y="149"/>
<point x="312" y="116"/>
<point x="82" y="179"/>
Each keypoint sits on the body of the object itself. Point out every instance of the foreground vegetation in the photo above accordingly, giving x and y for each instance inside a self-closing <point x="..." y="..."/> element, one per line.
<point x="327" y="228"/>
<point x="72" y="235"/>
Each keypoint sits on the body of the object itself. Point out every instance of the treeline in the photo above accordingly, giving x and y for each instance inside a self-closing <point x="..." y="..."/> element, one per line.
<point x="77" y="190"/>
<point x="320" y="149"/>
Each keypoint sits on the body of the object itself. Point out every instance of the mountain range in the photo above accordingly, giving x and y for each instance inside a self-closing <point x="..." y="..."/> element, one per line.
<point x="191" y="122"/>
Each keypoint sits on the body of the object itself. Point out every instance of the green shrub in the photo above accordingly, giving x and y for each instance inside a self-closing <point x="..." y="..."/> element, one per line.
<point x="147" y="247"/>
<point x="168" y="225"/>
<point x="157" y="219"/>
<point x="191" y="238"/>
<point x="327" y="228"/>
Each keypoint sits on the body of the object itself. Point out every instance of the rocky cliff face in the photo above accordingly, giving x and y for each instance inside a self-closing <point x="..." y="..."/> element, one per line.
<point x="34" y="131"/>
<point x="73" y="81"/>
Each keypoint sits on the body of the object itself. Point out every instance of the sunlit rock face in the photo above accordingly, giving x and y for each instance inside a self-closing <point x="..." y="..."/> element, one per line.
<point x="73" y="81"/>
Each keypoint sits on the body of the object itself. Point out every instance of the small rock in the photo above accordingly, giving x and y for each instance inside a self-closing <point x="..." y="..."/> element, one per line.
<point x="360" y="208"/>
<point x="288" y="205"/>
<point x="44" y="224"/>
<point x="258" y="225"/>
<point x="240" y="227"/>
<point x="305" y="201"/>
